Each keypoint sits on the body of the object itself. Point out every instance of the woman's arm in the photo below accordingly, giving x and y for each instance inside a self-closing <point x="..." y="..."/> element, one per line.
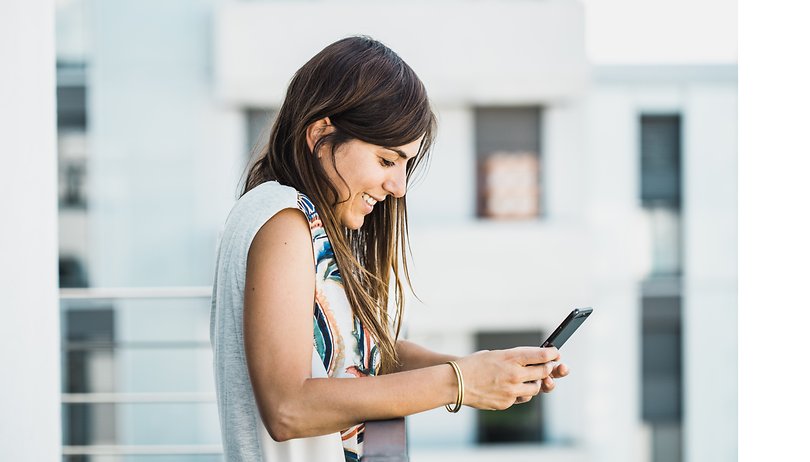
<point x="279" y="293"/>
<point x="413" y="356"/>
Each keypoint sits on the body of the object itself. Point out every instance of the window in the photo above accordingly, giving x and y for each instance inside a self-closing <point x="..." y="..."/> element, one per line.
<point x="507" y="141"/>
<point x="661" y="189"/>
<point x="88" y="367"/>
<point x="661" y="300"/>
<point x="72" y="158"/>
<point x="662" y="370"/>
<point x="661" y="160"/>
<point x="518" y="424"/>
<point x="72" y="148"/>
<point x="661" y="358"/>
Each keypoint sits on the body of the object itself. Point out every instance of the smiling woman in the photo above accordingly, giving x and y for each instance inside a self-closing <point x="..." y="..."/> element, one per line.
<point x="306" y="261"/>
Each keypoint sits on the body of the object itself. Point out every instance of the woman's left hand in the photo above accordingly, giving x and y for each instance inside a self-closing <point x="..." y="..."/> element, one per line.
<point x="547" y="384"/>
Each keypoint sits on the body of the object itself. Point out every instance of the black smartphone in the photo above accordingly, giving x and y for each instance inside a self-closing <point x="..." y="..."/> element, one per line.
<point x="567" y="327"/>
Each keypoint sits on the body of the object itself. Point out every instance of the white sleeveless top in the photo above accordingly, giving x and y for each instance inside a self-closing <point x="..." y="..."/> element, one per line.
<point x="341" y="346"/>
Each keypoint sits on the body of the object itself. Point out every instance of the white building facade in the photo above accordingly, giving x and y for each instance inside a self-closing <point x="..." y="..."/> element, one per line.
<point x="171" y="89"/>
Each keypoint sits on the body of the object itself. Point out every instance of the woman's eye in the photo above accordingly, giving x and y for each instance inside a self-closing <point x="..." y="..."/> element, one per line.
<point x="386" y="163"/>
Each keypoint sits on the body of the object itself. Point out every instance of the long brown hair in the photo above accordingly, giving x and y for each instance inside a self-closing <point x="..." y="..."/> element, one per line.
<point x="369" y="93"/>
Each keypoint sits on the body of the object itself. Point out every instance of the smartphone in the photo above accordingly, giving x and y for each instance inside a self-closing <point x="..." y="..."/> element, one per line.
<point x="567" y="327"/>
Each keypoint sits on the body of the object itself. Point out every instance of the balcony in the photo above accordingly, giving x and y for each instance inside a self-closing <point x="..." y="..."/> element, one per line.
<point x="118" y="398"/>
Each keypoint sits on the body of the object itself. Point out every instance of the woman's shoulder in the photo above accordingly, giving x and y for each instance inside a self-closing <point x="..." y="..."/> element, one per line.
<point x="269" y="190"/>
<point x="268" y="197"/>
<point x="257" y="206"/>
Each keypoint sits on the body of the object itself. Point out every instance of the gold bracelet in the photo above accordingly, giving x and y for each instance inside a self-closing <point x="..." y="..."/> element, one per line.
<point x="460" y="396"/>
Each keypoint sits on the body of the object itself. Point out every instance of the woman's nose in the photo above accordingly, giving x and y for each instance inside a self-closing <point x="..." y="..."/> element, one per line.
<point x="397" y="182"/>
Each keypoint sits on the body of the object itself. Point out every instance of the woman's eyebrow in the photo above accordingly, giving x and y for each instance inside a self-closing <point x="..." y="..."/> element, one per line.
<point x="398" y="151"/>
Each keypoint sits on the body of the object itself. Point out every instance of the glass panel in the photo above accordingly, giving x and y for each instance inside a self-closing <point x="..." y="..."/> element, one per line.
<point x="141" y="424"/>
<point x="157" y="346"/>
<point x="119" y="346"/>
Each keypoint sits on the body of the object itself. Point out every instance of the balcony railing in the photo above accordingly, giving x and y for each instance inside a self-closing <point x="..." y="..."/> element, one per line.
<point x="385" y="441"/>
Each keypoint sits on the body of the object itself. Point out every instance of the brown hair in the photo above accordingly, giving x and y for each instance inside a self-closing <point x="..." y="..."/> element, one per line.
<point x="369" y="93"/>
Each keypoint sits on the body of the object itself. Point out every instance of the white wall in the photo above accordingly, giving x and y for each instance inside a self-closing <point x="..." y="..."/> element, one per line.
<point x="30" y="425"/>
<point x="706" y="98"/>
<point x="613" y="376"/>
<point x="710" y="283"/>
<point x="477" y="53"/>
<point x="654" y="33"/>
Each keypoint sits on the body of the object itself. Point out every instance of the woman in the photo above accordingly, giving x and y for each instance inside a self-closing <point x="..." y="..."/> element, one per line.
<point x="305" y="340"/>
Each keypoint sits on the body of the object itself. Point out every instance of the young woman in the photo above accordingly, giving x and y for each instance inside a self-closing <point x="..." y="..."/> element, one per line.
<point x="305" y="340"/>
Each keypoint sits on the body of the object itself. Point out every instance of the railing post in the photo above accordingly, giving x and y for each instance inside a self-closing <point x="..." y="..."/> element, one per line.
<point x="385" y="441"/>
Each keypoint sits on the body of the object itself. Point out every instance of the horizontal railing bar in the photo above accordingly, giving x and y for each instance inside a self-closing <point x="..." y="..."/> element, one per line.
<point x="88" y="346"/>
<point x="121" y="450"/>
<point x="113" y="293"/>
<point x="124" y="398"/>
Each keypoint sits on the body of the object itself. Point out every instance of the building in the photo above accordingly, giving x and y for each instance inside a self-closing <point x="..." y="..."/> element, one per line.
<point x="629" y="207"/>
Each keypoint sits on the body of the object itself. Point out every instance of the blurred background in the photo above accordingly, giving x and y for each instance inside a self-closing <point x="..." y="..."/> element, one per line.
<point x="586" y="156"/>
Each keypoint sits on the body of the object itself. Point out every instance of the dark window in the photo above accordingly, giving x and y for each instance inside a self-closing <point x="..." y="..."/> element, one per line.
<point x="87" y="345"/>
<point x="661" y="338"/>
<point x="71" y="107"/>
<point x="507" y="143"/>
<point x="72" y="272"/>
<point x="521" y="423"/>
<point x="661" y="159"/>
<point x="661" y="358"/>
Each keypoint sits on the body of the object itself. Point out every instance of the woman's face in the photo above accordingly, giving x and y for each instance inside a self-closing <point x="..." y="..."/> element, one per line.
<point x="371" y="172"/>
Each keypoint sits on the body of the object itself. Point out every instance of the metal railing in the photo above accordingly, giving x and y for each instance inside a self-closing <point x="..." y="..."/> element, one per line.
<point x="385" y="441"/>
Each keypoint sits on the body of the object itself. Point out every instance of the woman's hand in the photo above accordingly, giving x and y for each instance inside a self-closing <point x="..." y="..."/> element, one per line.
<point x="495" y="380"/>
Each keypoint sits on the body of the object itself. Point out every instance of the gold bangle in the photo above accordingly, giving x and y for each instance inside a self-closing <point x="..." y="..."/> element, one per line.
<point x="460" y="396"/>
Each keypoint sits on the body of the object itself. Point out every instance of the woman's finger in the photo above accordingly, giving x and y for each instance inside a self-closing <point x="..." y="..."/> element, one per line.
<point x="537" y="372"/>
<point x="547" y="384"/>
<point x="534" y="355"/>
<point x="529" y="389"/>
<point x="560" y="370"/>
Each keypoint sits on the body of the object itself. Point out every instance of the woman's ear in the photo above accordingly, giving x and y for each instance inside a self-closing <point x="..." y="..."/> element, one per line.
<point x="316" y="130"/>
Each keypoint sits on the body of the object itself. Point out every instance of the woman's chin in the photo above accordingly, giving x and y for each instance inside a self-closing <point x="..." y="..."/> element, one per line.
<point x="354" y="223"/>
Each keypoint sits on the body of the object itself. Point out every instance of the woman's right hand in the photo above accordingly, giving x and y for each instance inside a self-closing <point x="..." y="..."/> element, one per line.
<point x="495" y="380"/>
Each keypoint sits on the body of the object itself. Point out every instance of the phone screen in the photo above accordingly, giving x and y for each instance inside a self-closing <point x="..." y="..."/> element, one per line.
<point x="567" y="327"/>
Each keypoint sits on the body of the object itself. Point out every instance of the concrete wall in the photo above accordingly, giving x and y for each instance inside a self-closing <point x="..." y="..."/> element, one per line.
<point x="710" y="284"/>
<point x="477" y="53"/>
<point x="30" y="425"/>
